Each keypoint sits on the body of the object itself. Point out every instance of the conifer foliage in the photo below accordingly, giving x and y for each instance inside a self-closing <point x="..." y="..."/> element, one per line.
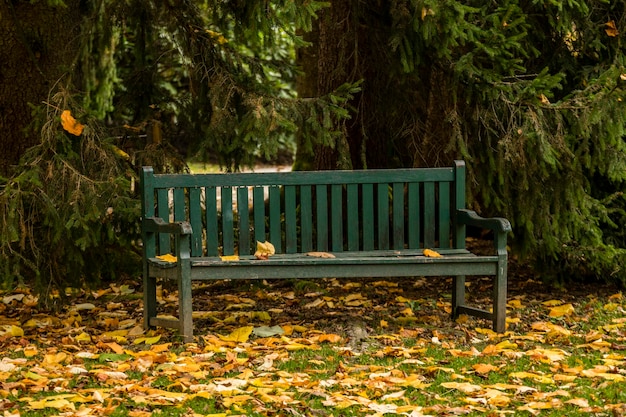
<point x="530" y="93"/>
<point x="153" y="83"/>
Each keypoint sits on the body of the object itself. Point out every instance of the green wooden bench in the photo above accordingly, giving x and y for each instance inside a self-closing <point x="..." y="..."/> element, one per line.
<point x="376" y="223"/>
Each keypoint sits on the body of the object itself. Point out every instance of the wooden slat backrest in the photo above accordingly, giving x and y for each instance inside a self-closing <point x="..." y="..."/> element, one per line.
<point x="310" y="211"/>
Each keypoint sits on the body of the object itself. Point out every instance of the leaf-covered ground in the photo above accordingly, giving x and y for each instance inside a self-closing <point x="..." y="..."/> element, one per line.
<point x="368" y="347"/>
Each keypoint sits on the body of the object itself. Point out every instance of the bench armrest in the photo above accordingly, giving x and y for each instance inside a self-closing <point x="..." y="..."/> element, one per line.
<point x="470" y="218"/>
<point x="158" y="225"/>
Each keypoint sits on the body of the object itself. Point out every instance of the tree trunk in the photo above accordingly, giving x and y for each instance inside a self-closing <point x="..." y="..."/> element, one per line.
<point x="38" y="44"/>
<point x="332" y="54"/>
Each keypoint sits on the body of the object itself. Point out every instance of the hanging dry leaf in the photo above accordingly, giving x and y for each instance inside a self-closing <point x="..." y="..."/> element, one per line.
<point x="432" y="254"/>
<point x="611" y="29"/>
<point x="70" y="124"/>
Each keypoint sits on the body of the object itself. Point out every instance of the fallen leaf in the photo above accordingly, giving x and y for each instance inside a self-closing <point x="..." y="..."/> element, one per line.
<point x="264" y="250"/>
<point x="239" y="335"/>
<point x="167" y="258"/>
<point x="465" y="387"/>
<point x="432" y="254"/>
<point x="562" y="310"/>
<point x="320" y="254"/>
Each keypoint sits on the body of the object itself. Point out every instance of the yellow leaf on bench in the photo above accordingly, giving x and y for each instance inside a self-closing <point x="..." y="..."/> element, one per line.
<point x="167" y="258"/>
<point x="432" y="254"/>
<point x="264" y="250"/>
<point x="320" y="254"/>
<point x="229" y="258"/>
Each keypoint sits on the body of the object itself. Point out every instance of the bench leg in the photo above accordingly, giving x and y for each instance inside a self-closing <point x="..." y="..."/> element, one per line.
<point x="458" y="295"/>
<point x="184" y="302"/>
<point x="149" y="299"/>
<point x="499" y="298"/>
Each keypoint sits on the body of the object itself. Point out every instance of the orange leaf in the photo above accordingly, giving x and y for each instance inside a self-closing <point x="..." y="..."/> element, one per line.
<point x="70" y="124"/>
<point x="331" y="338"/>
<point x="611" y="29"/>
<point x="484" y="368"/>
<point x="431" y="253"/>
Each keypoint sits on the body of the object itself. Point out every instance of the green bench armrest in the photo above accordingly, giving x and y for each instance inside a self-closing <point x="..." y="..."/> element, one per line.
<point x="470" y="218"/>
<point x="158" y="225"/>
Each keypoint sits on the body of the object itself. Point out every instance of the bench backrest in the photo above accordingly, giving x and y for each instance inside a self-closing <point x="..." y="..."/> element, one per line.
<point x="309" y="210"/>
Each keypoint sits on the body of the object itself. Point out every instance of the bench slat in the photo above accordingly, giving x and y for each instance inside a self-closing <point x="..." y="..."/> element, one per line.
<point x="398" y="215"/>
<point x="383" y="216"/>
<point x="368" y="216"/>
<point x="291" y="232"/>
<point x="336" y="208"/>
<point x="228" y="234"/>
<point x="352" y="216"/>
<point x="321" y="198"/>
<point x="306" y="218"/>
<point x="444" y="215"/>
<point x="195" y="219"/>
<point x="212" y="231"/>
<point x="414" y="215"/>
<point x="244" y="221"/>
<point x="459" y="202"/>
<point x="258" y="196"/>
<point x="305" y="177"/>
<point x="163" y="211"/>
<point x="429" y="214"/>
<point x="274" y="218"/>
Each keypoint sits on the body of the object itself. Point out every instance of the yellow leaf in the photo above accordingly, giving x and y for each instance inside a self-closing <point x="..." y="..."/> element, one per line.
<point x="506" y="344"/>
<point x="562" y="310"/>
<point x="465" y="387"/>
<point x="564" y="378"/>
<point x="59" y="404"/>
<point x="552" y="303"/>
<point x="544" y="100"/>
<point x="147" y="340"/>
<point x="239" y="335"/>
<point x="14" y="331"/>
<point x="320" y="254"/>
<point x="167" y="258"/>
<point x="515" y="303"/>
<point x="30" y="351"/>
<point x="543" y="379"/>
<point x="70" y="124"/>
<point x="55" y="359"/>
<point x="264" y="250"/>
<point x="229" y="258"/>
<point x="83" y="337"/>
<point x="611" y="29"/>
<point x="580" y="402"/>
<point x="431" y="253"/>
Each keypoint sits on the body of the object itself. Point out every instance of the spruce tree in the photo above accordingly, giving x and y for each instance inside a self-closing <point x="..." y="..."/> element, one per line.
<point x="530" y="93"/>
